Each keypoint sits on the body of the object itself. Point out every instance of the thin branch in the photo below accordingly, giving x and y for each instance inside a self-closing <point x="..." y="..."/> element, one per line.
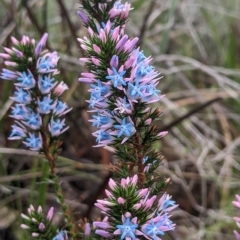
<point x="187" y="115"/>
<point x="145" y="20"/>
<point x="72" y="29"/>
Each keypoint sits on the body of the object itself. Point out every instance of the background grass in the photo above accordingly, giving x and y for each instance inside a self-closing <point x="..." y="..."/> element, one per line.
<point x="195" y="44"/>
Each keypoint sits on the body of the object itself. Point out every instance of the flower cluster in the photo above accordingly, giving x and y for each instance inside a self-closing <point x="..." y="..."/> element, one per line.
<point x="132" y="212"/>
<point x="237" y="219"/>
<point x="122" y="81"/>
<point x="37" y="110"/>
<point x="37" y="224"/>
<point x="122" y="85"/>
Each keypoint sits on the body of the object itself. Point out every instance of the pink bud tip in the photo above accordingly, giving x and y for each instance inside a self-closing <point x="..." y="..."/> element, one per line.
<point x="41" y="226"/>
<point x="50" y="214"/>
<point x="121" y="200"/>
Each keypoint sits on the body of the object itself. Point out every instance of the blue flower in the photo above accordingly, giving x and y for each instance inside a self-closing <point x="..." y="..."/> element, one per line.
<point x="125" y="128"/>
<point x="45" y="106"/>
<point x="100" y="120"/>
<point x="152" y="229"/>
<point x="151" y="93"/>
<point x="95" y="101"/>
<point x="33" y="142"/>
<point x="45" y="64"/>
<point x="167" y="203"/>
<point x="123" y="106"/>
<point x="46" y="84"/>
<point x="19" y="111"/>
<point x="140" y="57"/>
<point x="33" y="120"/>
<point x="22" y="96"/>
<point x="118" y="5"/>
<point x="61" y="108"/>
<point x="8" y="74"/>
<point x="98" y="90"/>
<point x="143" y="70"/>
<point x="127" y="229"/>
<point x="61" y="236"/>
<point x="117" y="78"/>
<point x="145" y="159"/>
<point x="26" y="81"/>
<point x="56" y="127"/>
<point x="135" y="91"/>
<point x="102" y="136"/>
<point x="17" y="132"/>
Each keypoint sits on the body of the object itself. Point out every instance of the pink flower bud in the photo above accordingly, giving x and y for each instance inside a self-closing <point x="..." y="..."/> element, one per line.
<point x="123" y="182"/>
<point x="25" y="40"/>
<point x="90" y="31"/>
<point x="24" y="216"/>
<point x="5" y="56"/>
<point x="35" y="234"/>
<point x="99" y="205"/>
<point x="14" y="41"/>
<point x="102" y="35"/>
<point x="148" y="121"/>
<point x="41" y="44"/>
<point x="162" y="134"/>
<point x="128" y="215"/>
<point x="150" y="202"/>
<point x="87" y="230"/>
<point x="112" y="184"/>
<point x="9" y="63"/>
<point x="83" y="17"/>
<point x="96" y="49"/>
<point x="106" y="203"/>
<point x="131" y="44"/>
<point x="50" y="214"/>
<point x="41" y="226"/>
<point x="115" y="33"/>
<point x="24" y="226"/>
<point x="31" y="209"/>
<point x="103" y="233"/>
<point x="60" y="88"/>
<point x="137" y="206"/>
<point x="96" y="61"/>
<point x="39" y="209"/>
<point x="121" y="200"/>
<point x="18" y="53"/>
<point x="129" y="62"/>
<point x="114" y="61"/>
<point x="236" y="204"/>
<point x="85" y="60"/>
<point x="121" y="43"/>
<point x="109" y="194"/>
<point x="8" y="50"/>
<point x="143" y="192"/>
<point x="134" y="180"/>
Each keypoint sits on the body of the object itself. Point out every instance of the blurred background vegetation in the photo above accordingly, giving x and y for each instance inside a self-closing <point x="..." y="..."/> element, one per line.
<point x="195" y="44"/>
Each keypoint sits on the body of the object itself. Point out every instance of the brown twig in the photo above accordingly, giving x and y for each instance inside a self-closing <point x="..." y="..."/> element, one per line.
<point x="145" y="20"/>
<point x="189" y="114"/>
<point x="71" y="27"/>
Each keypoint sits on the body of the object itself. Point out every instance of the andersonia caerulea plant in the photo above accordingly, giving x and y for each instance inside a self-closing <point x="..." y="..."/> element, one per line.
<point x="123" y="84"/>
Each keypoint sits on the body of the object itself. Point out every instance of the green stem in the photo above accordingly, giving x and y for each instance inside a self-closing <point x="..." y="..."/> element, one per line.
<point x="139" y="155"/>
<point x="59" y="194"/>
